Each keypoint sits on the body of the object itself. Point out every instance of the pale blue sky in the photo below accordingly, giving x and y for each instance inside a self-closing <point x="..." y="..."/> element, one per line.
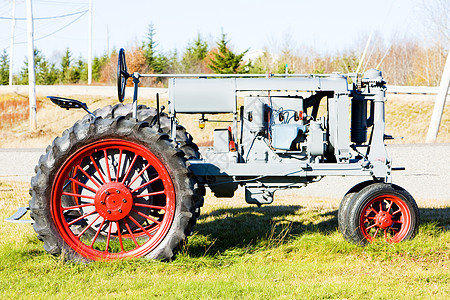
<point x="325" y="25"/>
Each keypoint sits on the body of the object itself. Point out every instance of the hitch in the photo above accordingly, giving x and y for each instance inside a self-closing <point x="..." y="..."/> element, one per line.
<point x="69" y="103"/>
<point x="15" y="218"/>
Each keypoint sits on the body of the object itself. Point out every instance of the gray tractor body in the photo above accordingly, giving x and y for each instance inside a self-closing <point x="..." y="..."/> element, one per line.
<point x="276" y="140"/>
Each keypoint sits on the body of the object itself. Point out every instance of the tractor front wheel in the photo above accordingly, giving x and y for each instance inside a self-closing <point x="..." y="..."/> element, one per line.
<point x="381" y="211"/>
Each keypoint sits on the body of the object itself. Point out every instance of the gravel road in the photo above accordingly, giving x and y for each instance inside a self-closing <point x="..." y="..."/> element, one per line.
<point x="427" y="174"/>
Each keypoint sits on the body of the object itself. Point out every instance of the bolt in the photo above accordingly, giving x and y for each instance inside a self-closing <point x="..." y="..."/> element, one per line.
<point x="117" y="191"/>
<point x="124" y="200"/>
<point x="102" y="202"/>
<point x="119" y="210"/>
<point x="107" y="192"/>
<point x="108" y="211"/>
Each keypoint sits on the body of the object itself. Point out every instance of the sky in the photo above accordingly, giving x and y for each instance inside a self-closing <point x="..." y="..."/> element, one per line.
<point x="325" y="25"/>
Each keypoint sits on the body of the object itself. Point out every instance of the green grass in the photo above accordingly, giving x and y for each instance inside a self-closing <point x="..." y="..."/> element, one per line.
<point x="238" y="251"/>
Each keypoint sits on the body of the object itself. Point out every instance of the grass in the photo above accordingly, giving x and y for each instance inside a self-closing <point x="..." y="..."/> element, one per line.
<point x="238" y="251"/>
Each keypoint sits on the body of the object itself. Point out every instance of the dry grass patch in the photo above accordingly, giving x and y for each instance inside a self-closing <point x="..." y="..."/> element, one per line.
<point x="405" y="116"/>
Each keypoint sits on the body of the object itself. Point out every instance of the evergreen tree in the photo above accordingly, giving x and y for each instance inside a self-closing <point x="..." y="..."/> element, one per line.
<point x="173" y="63"/>
<point x="97" y="64"/>
<point x="4" y="68"/>
<point x="65" y="66"/>
<point x="157" y="62"/>
<point x="194" y="55"/>
<point x="46" y="73"/>
<point x="225" y="61"/>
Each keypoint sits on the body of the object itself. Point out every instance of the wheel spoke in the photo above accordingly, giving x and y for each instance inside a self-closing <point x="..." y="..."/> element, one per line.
<point x="79" y="218"/>
<point x="145" y="184"/>
<point x="97" y="169"/>
<point x="77" y="195"/>
<point x="129" y="168"/>
<point x="83" y="185"/>
<point x="69" y="182"/>
<point x="87" y="227"/>
<point x="120" y="236"/>
<point x="371" y="226"/>
<point x="396" y="212"/>
<point x="118" y="166"/>
<point x="372" y="210"/>
<point x="150" y="206"/>
<point x="140" y="226"/>
<point x="77" y="206"/>
<point x="376" y="231"/>
<point x="151" y="194"/>
<point x="88" y="176"/>
<point x="138" y="175"/>
<point x="108" y="238"/>
<point x="106" y="164"/>
<point x="146" y="216"/>
<point x="131" y="233"/>
<point x="97" y="233"/>
<point x="385" y="235"/>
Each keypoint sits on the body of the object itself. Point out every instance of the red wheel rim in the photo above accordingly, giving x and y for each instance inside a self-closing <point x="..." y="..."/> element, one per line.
<point x="113" y="199"/>
<point x="385" y="216"/>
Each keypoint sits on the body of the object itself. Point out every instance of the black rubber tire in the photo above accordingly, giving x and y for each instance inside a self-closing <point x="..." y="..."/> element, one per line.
<point x="358" y="202"/>
<point x="343" y="206"/>
<point x="84" y="133"/>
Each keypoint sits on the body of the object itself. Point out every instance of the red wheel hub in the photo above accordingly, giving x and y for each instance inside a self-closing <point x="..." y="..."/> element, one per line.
<point x="383" y="219"/>
<point x="113" y="201"/>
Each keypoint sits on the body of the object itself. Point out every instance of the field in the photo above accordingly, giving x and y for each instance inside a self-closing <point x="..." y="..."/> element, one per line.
<point x="288" y="250"/>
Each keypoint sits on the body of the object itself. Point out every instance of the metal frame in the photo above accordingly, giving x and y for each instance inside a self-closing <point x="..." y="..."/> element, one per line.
<point x="218" y="93"/>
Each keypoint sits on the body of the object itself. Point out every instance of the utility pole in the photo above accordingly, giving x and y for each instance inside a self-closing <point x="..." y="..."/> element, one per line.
<point x="11" y="47"/>
<point x="90" y="44"/>
<point x="439" y="104"/>
<point x="107" y="39"/>
<point x="31" y="74"/>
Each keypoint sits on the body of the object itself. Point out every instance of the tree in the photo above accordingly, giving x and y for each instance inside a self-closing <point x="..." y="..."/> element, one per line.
<point x="97" y="64"/>
<point x="193" y="59"/>
<point x="65" y="66"/>
<point x="46" y="73"/>
<point x="224" y="61"/>
<point x="4" y="68"/>
<point x="157" y="62"/>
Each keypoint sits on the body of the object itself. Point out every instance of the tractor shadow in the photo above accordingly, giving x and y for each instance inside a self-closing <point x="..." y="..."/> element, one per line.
<point x="250" y="228"/>
<point x="438" y="217"/>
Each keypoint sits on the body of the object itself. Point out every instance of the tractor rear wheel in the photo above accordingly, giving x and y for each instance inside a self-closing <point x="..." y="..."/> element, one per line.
<point x="111" y="189"/>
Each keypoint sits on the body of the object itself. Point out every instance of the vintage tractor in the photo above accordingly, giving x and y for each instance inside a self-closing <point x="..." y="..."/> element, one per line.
<point x="128" y="180"/>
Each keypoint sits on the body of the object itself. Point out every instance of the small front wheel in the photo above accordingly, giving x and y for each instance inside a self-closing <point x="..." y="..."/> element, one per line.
<point x="382" y="211"/>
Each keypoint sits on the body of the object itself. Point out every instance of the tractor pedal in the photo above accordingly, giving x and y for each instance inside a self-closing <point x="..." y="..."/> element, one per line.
<point x="15" y="218"/>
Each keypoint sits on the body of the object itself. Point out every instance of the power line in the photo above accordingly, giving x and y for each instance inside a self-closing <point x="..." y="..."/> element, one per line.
<point x="56" y="31"/>
<point x="47" y="18"/>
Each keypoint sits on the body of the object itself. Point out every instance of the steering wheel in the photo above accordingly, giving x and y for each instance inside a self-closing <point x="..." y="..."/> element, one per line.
<point x="122" y="75"/>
